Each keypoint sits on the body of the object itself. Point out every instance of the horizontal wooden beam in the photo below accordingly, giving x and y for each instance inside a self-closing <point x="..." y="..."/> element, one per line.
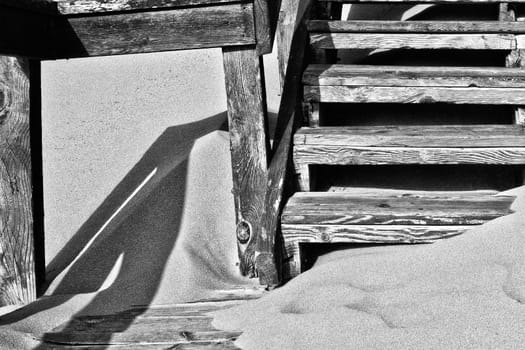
<point x="413" y="41"/>
<point x="367" y="75"/>
<point x="415" y="94"/>
<point x="53" y="37"/>
<point x="415" y="136"/>
<point x="498" y="27"/>
<point x="141" y="32"/>
<point x="349" y="155"/>
<point x="426" y="1"/>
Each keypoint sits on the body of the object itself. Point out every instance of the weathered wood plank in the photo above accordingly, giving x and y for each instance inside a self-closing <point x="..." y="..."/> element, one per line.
<point x="76" y="7"/>
<point x="368" y="234"/>
<point x="425" y="1"/>
<point x="191" y="28"/>
<point x="415" y="136"/>
<point x="413" y="41"/>
<point x="367" y="75"/>
<point x="17" y="271"/>
<point x="347" y="155"/>
<point x="224" y="345"/>
<point x="350" y="210"/>
<point x="498" y="27"/>
<point x="266" y="15"/>
<point x="249" y="144"/>
<point x="414" y="94"/>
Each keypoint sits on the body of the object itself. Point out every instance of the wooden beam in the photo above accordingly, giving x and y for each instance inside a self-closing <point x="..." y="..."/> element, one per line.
<point x="320" y="26"/>
<point x="249" y="144"/>
<point x="140" y="32"/>
<point x="265" y="14"/>
<point x="425" y="1"/>
<point x="413" y="41"/>
<point x="17" y="271"/>
<point x="415" y="94"/>
<point x="367" y="75"/>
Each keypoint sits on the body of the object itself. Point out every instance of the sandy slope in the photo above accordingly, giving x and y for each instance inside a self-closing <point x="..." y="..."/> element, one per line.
<point x="175" y="245"/>
<point x="467" y="292"/>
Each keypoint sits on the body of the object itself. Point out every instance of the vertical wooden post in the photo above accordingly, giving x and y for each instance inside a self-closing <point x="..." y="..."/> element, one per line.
<point x="249" y="146"/>
<point x="17" y="272"/>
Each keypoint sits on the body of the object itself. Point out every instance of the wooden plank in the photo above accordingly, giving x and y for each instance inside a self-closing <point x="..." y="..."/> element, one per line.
<point x="382" y="94"/>
<point x="425" y="1"/>
<point x="191" y="28"/>
<point x="76" y="7"/>
<point x="350" y="210"/>
<point x="445" y="136"/>
<point x="367" y="75"/>
<point x="498" y="27"/>
<point x="368" y="234"/>
<point x="347" y="155"/>
<point x="413" y="41"/>
<point x="373" y="192"/>
<point x="249" y="144"/>
<point x="266" y="15"/>
<point x="17" y="271"/>
<point x="224" y="345"/>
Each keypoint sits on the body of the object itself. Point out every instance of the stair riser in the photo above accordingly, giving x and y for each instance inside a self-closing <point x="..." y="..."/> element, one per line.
<point x="373" y="94"/>
<point x="415" y="41"/>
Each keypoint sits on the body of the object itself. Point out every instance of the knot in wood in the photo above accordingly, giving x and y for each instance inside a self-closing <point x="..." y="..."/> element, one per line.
<point x="243" y="232"/>
<point x="325" y="237"/>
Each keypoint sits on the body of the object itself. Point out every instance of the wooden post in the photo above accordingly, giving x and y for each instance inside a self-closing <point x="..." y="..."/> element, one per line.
<point x="249" y="145"/>
<point x="17" y="272"/>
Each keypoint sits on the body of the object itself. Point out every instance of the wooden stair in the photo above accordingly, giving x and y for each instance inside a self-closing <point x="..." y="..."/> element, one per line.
<point x="379" y="215"/>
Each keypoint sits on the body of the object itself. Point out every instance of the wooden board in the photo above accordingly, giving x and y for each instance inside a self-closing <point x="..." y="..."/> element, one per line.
<point x="17" y="272"/>
<point x="311" y="233"/>
<point x="350" y="155"/>
<point x="413" y="41"/>
<point x="348" y="209"/>
<point x="367" y="75"/>
<point x="191" y="28"/>
<point x="249" y="147"/>
<point x="385" y="94"/>
<point x="498" y="27"/>
<point x="446" y="136"/>
<point x="180" y="326"/>
<point x="76" y="7"/>
<point x="425" y="1"/>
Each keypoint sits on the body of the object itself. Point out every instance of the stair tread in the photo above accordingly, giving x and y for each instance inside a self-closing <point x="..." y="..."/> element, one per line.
<point x="419" y="208"/>
<point x="381" y="26"/>
<point x="447" y="136"/>
<point x="404" y="76"/>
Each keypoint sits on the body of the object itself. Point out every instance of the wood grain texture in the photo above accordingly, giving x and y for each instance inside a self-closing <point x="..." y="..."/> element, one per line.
<point x="351" y="155"/>
<point x="349" y="209"/>
<point x="17" y="273"/>
<point x="191" y="28"/>
<point x="413" y="41"/>
<point x="367" y="75"/>
<point x="415" y="94"/>
<point x="76" y="7"/>
<point x="180" y="326"/>
<point x="368" y="234"/>
<point x="425" y="1"/>
<point x="483" y="27"/>
<point x="265" y="17"/>
<point x="415" y="136"/>
<point x="246" y="116"/>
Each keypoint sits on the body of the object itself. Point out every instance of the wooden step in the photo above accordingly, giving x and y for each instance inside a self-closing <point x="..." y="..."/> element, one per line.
<point x="465" y="27"/>
<point x="416" y="41"/>
<point x="406" y="84"/>
<point x="459" y="144"/>
<point x="383" y="216"/>
<point x="424" y="1"/>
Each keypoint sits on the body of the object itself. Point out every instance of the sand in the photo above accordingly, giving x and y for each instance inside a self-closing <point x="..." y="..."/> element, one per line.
<point x="467" y="292"/>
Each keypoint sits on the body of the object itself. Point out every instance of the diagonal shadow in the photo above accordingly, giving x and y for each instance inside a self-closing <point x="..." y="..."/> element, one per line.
<point x="132" y="241"/>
